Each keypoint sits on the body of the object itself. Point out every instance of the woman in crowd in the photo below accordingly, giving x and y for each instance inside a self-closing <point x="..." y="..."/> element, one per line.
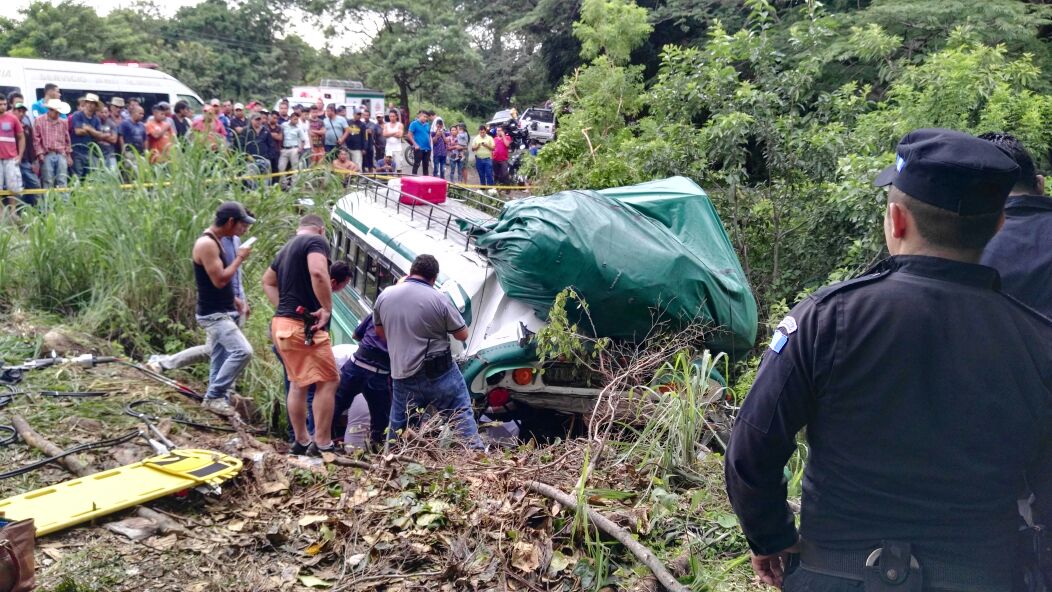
<point x="393" y="131"/>
<point x="439" y="147"/>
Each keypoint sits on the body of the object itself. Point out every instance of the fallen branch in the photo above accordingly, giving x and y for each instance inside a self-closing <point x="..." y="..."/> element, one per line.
<point x="389" y="578"/>
<point x="80" y="469"/>
<point x="348" y="462"/>
<point x="643" y="554"/>
<point x="34" y="439"/>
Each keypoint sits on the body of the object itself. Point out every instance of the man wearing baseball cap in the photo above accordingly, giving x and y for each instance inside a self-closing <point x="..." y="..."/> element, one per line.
<point x="217" y="305"/>
<point x="926" y="393"/>
<point x="85" y="134"/>
<point x="238" y="122"/>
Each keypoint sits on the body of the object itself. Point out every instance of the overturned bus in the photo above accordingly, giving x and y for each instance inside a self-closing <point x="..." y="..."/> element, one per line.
<point x="655" y="250"/>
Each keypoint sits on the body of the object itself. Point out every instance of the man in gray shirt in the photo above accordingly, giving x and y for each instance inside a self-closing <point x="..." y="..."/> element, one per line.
<point x="416" y="320"/>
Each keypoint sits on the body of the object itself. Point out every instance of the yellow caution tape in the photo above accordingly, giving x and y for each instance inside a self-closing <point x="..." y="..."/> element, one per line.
<point x="127" y="186"/>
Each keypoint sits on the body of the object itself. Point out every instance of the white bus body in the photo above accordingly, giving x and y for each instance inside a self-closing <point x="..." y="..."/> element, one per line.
<point x="379" y="238"/>
<point x="74" y="79"/>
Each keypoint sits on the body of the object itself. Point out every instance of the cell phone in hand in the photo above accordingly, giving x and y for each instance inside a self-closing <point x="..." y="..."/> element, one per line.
<point x="248" y="243"/>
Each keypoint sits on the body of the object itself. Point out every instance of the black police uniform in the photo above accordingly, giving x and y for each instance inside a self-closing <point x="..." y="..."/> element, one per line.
<point x="1022" y="251"/>
<point x="927" y="394"/>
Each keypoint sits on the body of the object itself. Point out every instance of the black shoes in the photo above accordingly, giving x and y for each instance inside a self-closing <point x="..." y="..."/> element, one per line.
<point x="315" y="450"/>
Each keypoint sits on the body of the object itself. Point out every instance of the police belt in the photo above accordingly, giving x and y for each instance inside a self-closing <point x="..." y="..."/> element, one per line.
<point x="935" y="575"/>
<point x="369" y="367"/>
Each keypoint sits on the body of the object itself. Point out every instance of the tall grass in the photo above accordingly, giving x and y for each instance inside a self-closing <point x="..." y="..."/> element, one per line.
<point x="115" y="261"/>
<point x="677" y="427"/>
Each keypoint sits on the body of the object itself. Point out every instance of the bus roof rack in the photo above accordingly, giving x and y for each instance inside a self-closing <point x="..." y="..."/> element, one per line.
<point x="447" y="217"/>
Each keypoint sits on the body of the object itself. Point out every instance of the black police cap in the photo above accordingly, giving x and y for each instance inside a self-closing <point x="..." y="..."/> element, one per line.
<point x="952" y="170"/>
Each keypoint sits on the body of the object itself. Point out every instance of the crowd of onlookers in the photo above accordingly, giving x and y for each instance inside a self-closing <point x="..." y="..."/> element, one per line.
<point x="43" y="143"/>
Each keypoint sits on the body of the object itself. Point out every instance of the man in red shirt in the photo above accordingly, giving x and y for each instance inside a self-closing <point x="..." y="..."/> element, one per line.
<point x="159" y="134"/>
<point x="12" y="144"/>
<point x="209" y="127"/>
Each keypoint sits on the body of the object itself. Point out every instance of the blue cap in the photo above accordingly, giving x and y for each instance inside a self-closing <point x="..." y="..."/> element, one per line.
<point x="951" y="170"/>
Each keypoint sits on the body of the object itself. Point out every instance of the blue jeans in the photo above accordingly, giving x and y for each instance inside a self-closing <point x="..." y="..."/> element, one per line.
<point x="29" y="181"/>
<point x="375" y="387"/>
<point x="54" y="170"/>
<point x="83" y="162"/>
<point x="310" y="400"/>
<point x="231" y="352"/>
<point x="447" y="394"/>
<point x="440" y="166"/>
<point x="485" y="168"/>
<point x="456" y="170"/>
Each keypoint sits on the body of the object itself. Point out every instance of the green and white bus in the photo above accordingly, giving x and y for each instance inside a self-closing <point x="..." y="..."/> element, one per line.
<point x="379" y="236"/>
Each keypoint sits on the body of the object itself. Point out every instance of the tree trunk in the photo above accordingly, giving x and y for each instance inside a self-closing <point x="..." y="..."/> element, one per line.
<point x="403" y="94"/>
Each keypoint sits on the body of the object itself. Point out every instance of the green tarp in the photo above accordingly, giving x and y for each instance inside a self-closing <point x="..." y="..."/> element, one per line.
<point x="635" y="254"/>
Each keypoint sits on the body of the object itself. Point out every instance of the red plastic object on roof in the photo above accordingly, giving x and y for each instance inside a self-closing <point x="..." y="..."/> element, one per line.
<point x="425" y="190"/>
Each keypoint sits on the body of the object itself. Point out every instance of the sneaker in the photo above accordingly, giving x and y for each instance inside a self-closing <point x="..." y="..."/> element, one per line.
<point x="218" y="405"/>
<point x="315" y="450"/>
<point x="298" y="449"/>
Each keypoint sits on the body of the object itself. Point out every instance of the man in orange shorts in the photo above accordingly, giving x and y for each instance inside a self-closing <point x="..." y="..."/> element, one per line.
<point x="299" y="279"/>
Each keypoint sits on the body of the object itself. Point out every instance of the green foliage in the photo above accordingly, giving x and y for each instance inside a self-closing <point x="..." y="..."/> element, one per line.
<point x="786" y="159"/>
<point x="604" y="98"/>
<point x="202" y="45"/>
<point x="612" y="28"/>
<point x="416" y="43"/>
<point x="676" y="428"/>
<point x="563" y="338"/>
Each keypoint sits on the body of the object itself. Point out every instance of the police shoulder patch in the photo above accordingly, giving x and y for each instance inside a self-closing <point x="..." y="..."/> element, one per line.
<point x="788" y="324"/>
<point x="778" y="342"/>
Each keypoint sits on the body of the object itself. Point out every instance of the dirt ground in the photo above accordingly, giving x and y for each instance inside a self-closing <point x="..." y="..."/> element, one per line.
<point x="429" y="515"/>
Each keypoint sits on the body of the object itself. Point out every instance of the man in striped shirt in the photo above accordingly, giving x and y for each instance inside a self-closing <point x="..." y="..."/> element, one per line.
<point x="52" y="146"/>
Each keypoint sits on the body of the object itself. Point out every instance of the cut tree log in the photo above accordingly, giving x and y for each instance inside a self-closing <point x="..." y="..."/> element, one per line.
<point x="80" y="469"/>
<point x="641" y="552"/>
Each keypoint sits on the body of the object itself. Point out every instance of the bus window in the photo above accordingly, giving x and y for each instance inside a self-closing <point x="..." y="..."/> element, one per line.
<point x="191" y="100"/>
<point x="10" y="89"/>
<point x="352" y="249"/>
<point x="385" y="278"/>
<point x="148" y="100"/>
<point x="336" y="242"/>
<point x="371" y="285"/>
<point x="362" y="270"/>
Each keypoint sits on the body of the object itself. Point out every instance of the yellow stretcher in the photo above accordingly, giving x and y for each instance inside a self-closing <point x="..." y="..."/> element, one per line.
<point x="69" y="503"/>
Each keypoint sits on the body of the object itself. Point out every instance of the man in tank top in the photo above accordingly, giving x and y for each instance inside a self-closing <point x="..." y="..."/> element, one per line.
<point x="217" y="311"/>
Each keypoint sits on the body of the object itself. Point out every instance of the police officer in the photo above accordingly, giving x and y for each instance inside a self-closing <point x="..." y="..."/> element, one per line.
<point x="926" y="393"/>
<point x="1022" y="251"/>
